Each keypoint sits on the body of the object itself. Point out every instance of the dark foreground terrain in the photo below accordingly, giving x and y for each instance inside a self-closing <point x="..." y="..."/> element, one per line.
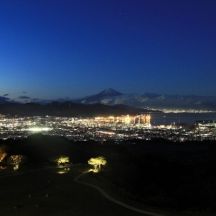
<point x="175" y="178"/>
<point x="47" y="193"/>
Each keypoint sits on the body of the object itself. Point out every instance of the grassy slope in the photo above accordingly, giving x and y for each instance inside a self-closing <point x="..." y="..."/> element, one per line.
<point x="158" y="173"/>
<point x="65" y="197"/>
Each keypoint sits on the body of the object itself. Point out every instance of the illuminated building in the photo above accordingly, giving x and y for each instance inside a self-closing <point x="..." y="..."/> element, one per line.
<point x="125" y="119"/>
<point x="39" y="129"/>
<point x="101" y="128"/>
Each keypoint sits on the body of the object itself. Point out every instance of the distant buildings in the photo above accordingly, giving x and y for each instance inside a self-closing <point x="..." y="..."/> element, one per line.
<point x="206" y="124"/>
<point x="104" y="128"/>
<point x="144" y="119"/>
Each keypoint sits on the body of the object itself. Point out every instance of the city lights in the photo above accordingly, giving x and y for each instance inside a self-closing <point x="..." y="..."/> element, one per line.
<point x="39" y="129"/>
<point x="124" y="119"/>
<point x="102" y="128"/>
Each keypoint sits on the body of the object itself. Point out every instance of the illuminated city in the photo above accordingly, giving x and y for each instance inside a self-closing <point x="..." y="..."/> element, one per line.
<point x="107" y="107"/>
<point x="105" y="128"/>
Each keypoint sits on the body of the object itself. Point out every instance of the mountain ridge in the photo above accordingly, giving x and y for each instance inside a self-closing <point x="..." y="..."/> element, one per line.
<point x="153" y="100"/>
<point x="67" y="109"/>
<point x="148" y="100"/>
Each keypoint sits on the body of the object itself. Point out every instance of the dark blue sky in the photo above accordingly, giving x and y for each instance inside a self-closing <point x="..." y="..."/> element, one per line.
<point x="61" y="48"/>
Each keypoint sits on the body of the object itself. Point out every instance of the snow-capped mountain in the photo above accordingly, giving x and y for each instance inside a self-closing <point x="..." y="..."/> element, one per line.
<point x="152" y="100"/>
<point x="102" y="97"/>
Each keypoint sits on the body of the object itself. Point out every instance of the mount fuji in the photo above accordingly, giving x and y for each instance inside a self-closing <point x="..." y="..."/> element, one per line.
<point x="151" y="100"/>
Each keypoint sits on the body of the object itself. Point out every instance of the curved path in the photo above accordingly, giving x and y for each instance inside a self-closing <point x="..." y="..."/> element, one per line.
<point x="107" y="196"/>
<point x="101" y="191"/>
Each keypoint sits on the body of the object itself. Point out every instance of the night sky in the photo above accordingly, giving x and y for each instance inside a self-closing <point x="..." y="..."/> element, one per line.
<point x="73" y="48"/>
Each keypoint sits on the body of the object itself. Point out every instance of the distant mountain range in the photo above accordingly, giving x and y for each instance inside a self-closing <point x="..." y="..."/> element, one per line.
<point x="66" y="109"/>
<point x="151" y="100"/>
<point x="4" y="99"/>
<point x="107" y="102"/>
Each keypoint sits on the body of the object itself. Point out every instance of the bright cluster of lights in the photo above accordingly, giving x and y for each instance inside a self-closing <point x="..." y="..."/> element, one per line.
<point x="102" y="128"/>
<point x="125" y="119"/>
<point x="39" y="129"/>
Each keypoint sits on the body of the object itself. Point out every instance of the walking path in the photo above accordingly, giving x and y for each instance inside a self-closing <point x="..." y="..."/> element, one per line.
<point x="107" y="196"/>
<point x="101" y="191"/>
